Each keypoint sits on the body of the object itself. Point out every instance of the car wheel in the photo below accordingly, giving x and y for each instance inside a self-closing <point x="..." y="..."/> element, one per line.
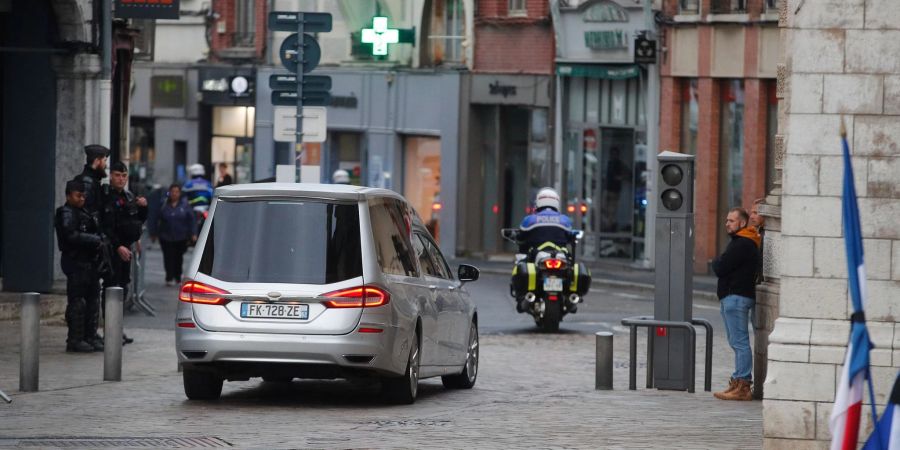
<point x="466" y="378"/>
<point x="402" y="390"/>
<point x="201" y="385"/>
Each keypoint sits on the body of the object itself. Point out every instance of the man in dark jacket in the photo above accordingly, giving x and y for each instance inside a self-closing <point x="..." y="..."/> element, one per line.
<point x="736" y="269"/>
<point x="78" y="235"/>
<point x="123" y="217"/>
<point x="94" y="171"/>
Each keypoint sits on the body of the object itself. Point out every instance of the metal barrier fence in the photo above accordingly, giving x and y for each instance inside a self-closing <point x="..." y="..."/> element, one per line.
<point x="647" y="322"/>
<point x="137" y="288"/>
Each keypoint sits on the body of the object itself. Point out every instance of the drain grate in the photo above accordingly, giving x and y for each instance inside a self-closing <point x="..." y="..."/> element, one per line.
<point x="116" y="442"/>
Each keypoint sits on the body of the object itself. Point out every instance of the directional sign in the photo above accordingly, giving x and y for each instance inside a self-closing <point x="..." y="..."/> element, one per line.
<point x="310" y="82"/>
<point x="312" y="22"/>
<point x="311" y="53"/>
<point x="289" y="98"/>
<point x="314" y="124"/>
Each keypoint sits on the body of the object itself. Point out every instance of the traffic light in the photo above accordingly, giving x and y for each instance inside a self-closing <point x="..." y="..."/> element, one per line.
<point x="675" y="183"/>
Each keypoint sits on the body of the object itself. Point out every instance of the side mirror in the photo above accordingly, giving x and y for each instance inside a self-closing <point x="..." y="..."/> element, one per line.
<point x="468" y="273"/>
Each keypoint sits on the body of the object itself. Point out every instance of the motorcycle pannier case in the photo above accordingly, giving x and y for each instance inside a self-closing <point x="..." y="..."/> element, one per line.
<point x="581" y="279"/>
<point x="524" y="278"/>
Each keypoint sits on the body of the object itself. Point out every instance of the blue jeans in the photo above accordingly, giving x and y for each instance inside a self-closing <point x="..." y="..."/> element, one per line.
<point x="736" y="313"/>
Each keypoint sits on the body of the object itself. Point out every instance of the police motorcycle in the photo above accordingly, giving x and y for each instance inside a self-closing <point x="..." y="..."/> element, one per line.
<point x="547" y="282"/>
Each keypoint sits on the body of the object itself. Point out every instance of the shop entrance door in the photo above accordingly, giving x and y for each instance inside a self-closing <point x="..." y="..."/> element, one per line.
<point x="422" y="179"/>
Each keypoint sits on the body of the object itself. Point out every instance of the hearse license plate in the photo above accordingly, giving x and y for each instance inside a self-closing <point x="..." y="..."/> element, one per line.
<point x="274" y="311"/>
<point x="553" y="284"/>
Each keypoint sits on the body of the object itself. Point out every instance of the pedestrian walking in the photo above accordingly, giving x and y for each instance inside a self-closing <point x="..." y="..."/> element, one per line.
<point x="175" y="229"/>
<point x="736" y="269"/>
<point x="759" y="222"/>
<point x="123" y="216"/>
<point x="224" y="177"/>
<point x="79" y="239"/>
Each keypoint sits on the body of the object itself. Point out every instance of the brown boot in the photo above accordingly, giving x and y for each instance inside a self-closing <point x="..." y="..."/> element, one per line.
<point x="732" y="384"/>
<point x="742" y="392"/>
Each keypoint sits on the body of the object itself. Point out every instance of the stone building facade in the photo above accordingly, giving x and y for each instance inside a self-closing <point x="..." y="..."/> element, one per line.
<point x="841" y="63"/>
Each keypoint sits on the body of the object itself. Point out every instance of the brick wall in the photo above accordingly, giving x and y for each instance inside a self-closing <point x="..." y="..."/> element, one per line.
<point x="841" y="63"/>
<point x="505" y="44"/>
<point x="228" y="16"/>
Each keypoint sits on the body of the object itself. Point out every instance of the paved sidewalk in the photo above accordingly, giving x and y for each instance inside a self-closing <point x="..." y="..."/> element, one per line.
<point x="533" y="391"/>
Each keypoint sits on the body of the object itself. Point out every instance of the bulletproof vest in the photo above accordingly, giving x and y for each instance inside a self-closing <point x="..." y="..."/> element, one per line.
<point x="83" y="249"/>
<point x="123" y="211"/>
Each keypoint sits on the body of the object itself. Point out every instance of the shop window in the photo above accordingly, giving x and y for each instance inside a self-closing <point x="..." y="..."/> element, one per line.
<point x="731" y="154"/>
<point x="422" y="179"/>
<point x="345" y="150"/>
<point x="234" y="121"/>
<point x="448" y="30"/>
<point x="517" y="8"/>
<point x="232" y="140"/>
<point x="690" y="112"/>
<point x="772" y="5"/>
<point x="143" y="39"/>
<point x="142" y="154"/>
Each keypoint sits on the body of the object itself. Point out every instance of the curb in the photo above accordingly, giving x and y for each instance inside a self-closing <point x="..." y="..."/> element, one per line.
<point x="636" y="287"/>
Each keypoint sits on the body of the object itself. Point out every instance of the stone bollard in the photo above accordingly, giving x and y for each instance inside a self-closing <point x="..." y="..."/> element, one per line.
<point x="604" y="362"/>
<point x="29" y="356"/>
<point x="112" y="335"/>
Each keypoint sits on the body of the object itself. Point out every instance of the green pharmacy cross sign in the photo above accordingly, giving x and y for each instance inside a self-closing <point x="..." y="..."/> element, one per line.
<point x="380" y="36"/>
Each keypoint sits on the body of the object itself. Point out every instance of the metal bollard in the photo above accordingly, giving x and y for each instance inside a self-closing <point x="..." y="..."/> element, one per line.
<point x="604" y="362"/>
<point x="29" y="358"/>
<point x="112" y="335"/>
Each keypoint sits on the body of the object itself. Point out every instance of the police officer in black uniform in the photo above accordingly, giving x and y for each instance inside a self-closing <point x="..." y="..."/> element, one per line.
<point x="123" y="216"/>
<point x="78" y="235"/>
<point x="94" y="171"/>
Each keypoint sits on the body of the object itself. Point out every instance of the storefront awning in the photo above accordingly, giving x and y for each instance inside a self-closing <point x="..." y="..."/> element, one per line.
<point x="605" y="72"/>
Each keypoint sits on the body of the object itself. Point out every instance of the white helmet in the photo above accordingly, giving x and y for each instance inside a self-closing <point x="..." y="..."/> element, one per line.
<point x="340" y="176"/>
<point x="547" y="198"/>
<point x="197" y="170"/>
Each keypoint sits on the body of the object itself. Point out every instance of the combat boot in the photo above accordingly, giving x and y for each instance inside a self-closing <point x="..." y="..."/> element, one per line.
<point x="96" y="342"/>
<point x="79" y="347"/>
<point x="732" y="384"/>
<point x="741" y="392"/>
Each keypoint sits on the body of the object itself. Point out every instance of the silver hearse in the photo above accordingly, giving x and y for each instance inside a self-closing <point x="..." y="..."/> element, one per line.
<point x="322" y="281"/>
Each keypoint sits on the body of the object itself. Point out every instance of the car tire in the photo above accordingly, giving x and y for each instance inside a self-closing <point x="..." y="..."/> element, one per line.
<point x="466" y="378"/>
<point x="201" y="385"/>
<point x="403" y="390"/>
<point x="552" y="317"/>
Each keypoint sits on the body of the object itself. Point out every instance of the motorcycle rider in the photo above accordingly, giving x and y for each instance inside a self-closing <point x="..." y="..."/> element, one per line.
<point x="198" y="189"/>
<point x="546" y="224"/>
<point x="546" y="227"/>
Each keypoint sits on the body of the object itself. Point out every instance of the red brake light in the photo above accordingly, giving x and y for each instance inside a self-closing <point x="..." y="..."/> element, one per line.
<point x="196" y="292"/>
<point x="358" y="297"/>
<point x="553" y="264"/>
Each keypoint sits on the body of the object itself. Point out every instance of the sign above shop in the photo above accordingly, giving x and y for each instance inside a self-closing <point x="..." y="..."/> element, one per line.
<point x="502" y="89"/>
<point x="227" y="87"/>
<point x="644" y="50"/>
<point x="344" y="101"/>
<point x="146" y="9"/>
<point x="601" y="71"/>
<point x="380" y="35"/>
<point x="167" y="91"/>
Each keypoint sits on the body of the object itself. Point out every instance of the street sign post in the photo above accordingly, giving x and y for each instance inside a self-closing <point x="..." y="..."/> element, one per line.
<point x="300" y="53"/>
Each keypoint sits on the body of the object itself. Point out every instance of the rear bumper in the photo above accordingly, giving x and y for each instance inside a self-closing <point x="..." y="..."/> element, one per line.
<point x="241" y="355"/>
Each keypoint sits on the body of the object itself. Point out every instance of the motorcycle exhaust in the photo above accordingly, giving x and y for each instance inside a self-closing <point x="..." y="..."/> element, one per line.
<point x="574" y="299"/>
<point x="530" y="297"/>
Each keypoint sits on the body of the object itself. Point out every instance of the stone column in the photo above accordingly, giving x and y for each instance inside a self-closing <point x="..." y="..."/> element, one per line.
<point x="842" y="64"/>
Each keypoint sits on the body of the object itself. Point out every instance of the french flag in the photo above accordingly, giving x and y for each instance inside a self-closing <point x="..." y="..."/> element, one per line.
<point x="887" y="434"/>
<point x="844" y="420"/>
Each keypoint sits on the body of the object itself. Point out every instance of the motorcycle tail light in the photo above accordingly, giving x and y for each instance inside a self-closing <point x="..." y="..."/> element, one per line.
<point x="196" y="292"/>
<point x="554" y="264"/>
<point x="358" y="297"/>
